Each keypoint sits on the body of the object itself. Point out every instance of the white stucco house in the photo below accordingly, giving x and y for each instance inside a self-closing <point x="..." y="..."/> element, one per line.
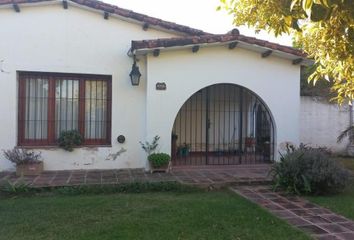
<point x="212" y="99"/>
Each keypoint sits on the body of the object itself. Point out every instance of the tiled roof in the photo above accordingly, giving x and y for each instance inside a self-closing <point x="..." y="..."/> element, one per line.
<point x="195" y="36"/>
<point x="210" y="39"/>
<point x="98" y="5"/>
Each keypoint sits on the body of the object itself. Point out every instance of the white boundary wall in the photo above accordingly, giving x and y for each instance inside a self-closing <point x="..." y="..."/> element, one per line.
<point x="321" y="122"/>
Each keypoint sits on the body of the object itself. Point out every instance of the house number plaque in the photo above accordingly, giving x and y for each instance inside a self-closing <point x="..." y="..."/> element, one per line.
<point x="161" y="86"/>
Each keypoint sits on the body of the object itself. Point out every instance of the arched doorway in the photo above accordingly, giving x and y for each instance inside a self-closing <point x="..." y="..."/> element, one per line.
<point x="223" y="124"/>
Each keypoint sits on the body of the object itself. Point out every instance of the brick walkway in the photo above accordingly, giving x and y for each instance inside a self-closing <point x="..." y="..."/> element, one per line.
<point x="202" y="176"/>
<point x="320" y="222"/>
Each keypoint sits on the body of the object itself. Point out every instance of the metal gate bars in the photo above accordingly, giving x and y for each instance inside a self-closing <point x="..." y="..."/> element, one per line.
<point x="222" y="124"/>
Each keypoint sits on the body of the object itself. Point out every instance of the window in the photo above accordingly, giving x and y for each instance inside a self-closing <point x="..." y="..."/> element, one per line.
<point x="52" y="103"/>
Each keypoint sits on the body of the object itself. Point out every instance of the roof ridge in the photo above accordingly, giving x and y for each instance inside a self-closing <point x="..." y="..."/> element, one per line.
<point x="126" y="13"/>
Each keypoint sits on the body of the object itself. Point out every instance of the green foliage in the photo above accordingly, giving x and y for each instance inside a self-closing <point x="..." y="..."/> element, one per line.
<point x="70" y="139"/>
<point x="150" y="147"/>
<point x="183" y="150"/>
<point x="22" y="156"/>
<point x="308" y="170"/>
<point x="135" y="187"/>
<point x="19" y="187"/>
<point x="348" y="132"/>
<point x="159" y="159"/>
<point x="342" y="203"/>
<point x="323" y="28"/>
<point x="320" y="89"/>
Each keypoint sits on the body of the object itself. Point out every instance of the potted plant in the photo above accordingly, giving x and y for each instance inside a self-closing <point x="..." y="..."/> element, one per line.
<point x="27" y="162"/>
<point x="186" y="149"/>
<point x="160" y="162"/>
<point x="250" y="141"/>
<point x="180" y="151"/>
<point x="70" y="139"/>
<point x="157" y="161"/>
<point x="183" y="150"/>
<point x="250" y="144"/>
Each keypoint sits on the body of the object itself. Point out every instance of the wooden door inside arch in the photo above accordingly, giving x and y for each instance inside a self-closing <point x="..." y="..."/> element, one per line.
<point x="222" y="124"/>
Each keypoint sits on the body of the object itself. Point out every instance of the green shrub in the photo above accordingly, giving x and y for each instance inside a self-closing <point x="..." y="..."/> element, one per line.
<point x="8" y="189"/>
<point x="70" y="139"/>
<point x="306" y="170"/>
<point x="159" y="159"/>
<point x="134" y="187"/>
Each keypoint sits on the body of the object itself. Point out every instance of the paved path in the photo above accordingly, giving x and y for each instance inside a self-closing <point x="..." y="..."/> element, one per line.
<point x="320" y="222"/>
<point x="203" y="176"/>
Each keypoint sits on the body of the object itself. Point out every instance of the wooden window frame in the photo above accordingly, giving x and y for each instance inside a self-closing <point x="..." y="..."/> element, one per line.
<point x="52" y="78"/>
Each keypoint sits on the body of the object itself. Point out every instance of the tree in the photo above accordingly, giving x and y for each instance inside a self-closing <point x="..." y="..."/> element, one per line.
<point x="323" y="28"/>
<point x="321" y="89"/>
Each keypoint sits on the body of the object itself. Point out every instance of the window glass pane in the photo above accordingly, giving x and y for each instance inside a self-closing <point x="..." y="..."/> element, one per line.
<point x="36" y="108"/>
<point x="95" y="109"/>
<point x="66" y="105"/>
<point x="52" y="103"/>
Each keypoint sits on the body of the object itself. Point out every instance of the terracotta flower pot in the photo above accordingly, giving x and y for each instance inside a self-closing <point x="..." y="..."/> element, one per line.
<point x="29" y="169"/>
<point x="165" y="168"/>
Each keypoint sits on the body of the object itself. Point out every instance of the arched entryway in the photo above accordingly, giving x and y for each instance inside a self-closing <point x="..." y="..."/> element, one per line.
<point x="223" y="124"/>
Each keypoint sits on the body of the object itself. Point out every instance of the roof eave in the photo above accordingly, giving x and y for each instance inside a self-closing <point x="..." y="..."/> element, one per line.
<point x="253" y="47"/>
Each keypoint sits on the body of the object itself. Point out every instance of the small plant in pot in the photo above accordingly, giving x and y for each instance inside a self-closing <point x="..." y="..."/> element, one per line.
<point x="27" y="162"/>
<point x="183" y="150"/>
<point x="70" y="139"/>
<point x="158" y="161"/>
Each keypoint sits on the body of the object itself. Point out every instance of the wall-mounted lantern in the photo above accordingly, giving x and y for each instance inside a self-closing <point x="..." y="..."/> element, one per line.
<point x="135" y="74"/>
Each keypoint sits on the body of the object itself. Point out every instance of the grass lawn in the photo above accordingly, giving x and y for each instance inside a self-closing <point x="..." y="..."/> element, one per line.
<point x="342" y="203"/>
<point x="196" y="215"/>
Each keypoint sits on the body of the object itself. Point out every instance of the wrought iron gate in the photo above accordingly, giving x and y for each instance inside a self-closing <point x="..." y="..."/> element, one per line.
<point x="223" y="124"/>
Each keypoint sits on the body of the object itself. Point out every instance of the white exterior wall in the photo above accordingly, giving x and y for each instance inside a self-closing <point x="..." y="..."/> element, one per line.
<point x="274" y="80"/>
<point x="51" y="39"/>
<point x="322" y="122"/>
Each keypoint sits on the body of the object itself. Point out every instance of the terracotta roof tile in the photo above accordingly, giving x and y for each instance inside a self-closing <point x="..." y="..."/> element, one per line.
<point x="98" y="5"/>
<point x="210" y="38"/>
<point x="197" y="36"/>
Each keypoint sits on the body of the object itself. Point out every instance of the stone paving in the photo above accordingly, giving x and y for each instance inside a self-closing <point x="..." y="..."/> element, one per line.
<point x="208" y="176"/>
<point x="320" y="222"/>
